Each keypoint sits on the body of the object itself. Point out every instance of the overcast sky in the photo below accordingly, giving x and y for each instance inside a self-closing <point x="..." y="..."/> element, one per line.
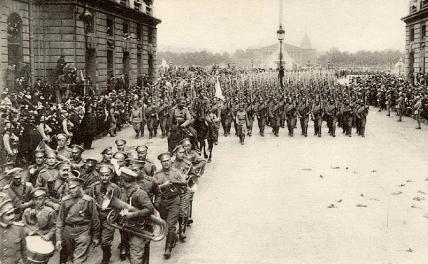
<point x="227" y="25"/>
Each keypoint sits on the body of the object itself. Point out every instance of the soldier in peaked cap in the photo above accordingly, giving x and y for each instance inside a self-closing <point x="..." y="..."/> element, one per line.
<point x="76" y="157"/>
<point x="107" y="231"/>
<point x="63" y="152"/>
<point x="40" y="219"/>
<point x="193" y="156"/>
<point x="149" y="166"/>
<point x="120" y="144"/>
<point x="34" y="169"/>
<point x="141" y="201"/>
<point x="12" y="233"/>
<point x="19" y="191"/>
<point x="169" y="180"/>
<point x="78" y="224"/>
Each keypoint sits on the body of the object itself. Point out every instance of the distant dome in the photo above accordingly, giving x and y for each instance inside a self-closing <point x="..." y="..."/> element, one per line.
<point x="306" y="42"/>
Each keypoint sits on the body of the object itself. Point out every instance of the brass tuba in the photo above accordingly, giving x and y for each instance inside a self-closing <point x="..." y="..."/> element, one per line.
<point x="193" y="183"/>
<point x="114" y="219"/>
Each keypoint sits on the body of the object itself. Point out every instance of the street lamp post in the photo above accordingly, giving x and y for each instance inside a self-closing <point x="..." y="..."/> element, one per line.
<point x="281" y="35"/>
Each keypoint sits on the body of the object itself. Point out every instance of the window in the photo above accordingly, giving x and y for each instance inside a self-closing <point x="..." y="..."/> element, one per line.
<point x="151" y="66"/>
<point x="412" y="34"/>
<point x="125" y="63"/>
<point x="423" y="31"/>
<point x="139" y="30"/>
<point x="110" y="62"/>
<point x="125" y="27"/>
<point x="110" y="26"/>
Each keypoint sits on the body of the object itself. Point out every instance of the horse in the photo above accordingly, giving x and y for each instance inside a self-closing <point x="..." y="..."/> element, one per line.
<point x="205" y="133"/>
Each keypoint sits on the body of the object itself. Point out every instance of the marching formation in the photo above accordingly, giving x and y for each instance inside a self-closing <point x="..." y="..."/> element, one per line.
<point x="52" y="196"/>
<point x="76" y="204"/>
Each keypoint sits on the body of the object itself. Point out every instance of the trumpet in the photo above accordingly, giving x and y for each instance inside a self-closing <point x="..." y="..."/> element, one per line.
<point x="115" y="219"/>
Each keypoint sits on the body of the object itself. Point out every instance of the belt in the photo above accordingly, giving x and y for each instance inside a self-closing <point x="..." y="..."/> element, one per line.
<point x="76" y="225"/>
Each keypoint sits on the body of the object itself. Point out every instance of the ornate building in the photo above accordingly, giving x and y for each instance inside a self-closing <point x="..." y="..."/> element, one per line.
<point x="415" y="59"/>
<point x="99" y="37"/>
<point x="304" y="55"/>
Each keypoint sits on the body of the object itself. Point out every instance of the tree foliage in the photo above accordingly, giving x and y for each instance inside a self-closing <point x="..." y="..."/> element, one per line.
<point x="360" y="58"/>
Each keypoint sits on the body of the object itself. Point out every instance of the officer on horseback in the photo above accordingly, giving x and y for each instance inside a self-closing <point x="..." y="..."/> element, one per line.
<point x="179" y="122"/>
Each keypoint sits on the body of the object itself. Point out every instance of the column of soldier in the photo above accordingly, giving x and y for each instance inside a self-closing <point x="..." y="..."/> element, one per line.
<point x="75" y="203"/>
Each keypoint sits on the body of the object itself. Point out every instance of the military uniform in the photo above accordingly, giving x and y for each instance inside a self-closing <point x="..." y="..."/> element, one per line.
<point x="262" y="115"/>
<point x="141" y="201"/>
<point x="20" y="196"/>
<point x="77" y="223"/>
<point x="40" y="221"/>
<point x="169" y="207"/>
<point x="47" y="174"/>
<point x="107" y="231"/>
<point x="149" y="167"/>
<point x="317" y="113"/>
<point x="163" y="114"/>
<point x="303" y="112"/>
<point x="226" y="118"/>
<point x="12" y="246"/>
<point x="151" y="117"/>
<point x="330" y="112"/>
<point x="64" y="153"/>
<point x="290" y="113"/>
<point x="33" y="172"/>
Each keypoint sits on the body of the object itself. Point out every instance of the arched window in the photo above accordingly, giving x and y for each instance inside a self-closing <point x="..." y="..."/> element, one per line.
<point x="14" y="39"/>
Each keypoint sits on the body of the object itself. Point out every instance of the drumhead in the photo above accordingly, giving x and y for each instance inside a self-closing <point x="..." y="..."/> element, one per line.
<point x="38" y="245"/>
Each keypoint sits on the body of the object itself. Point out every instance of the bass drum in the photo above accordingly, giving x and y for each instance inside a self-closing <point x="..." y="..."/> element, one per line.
<point x="38" y="250"/>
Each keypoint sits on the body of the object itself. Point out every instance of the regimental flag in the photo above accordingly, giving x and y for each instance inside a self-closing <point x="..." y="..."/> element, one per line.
<point x="218" y="92"/>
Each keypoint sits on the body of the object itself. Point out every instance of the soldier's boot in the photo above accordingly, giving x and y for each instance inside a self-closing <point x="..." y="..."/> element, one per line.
<point x="181" y="228"/>
<point x="168" y="248"/>
<point x="63" y="256"/>
<point x="106" y="254"/>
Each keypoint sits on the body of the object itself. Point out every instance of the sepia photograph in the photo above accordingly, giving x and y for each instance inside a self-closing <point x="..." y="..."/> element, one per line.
<point x="205" y="132"/>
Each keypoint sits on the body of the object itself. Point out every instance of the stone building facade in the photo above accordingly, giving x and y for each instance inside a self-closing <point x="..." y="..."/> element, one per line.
<point x="99" y="37"/>
<point x="415" y="59"/>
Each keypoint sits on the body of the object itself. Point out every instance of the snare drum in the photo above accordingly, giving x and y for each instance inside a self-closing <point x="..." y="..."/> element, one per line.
<point x="38" y="250"/>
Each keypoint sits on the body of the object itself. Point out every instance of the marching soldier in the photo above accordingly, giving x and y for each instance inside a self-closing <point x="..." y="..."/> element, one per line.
<point x="198" y="162"/>
<point x="163" y="114"/>
<point x="226" y="117"/>
<point x="34" y="170"/>
<point x="250" y="114"/>
<point x="169" y="208"/>
<point x="77" y="225"/>
<point x="361" y="116"/>
<point x="40" y="219"/>
<point x="139" y="199"/>
<point x="303" y="114"/>
<point x="149" y="168"/>
<point x="291" y="115"/>
<point x="275" y="116"/>
<point x="151" y="117"/>
<point x="330" y="112"/>
<point x="107" y="231"/>
<point x="241" y="120"/>
<point x="58" y="187"/>
<point x="317" y="114"/>
<point x="185" y="167"/>
<point x="121" y="145"/>
<point x="19" y="191"/>
<point x="136" y="119"/>
<point x="76" y="157"/>
<point x="50" y="172"/>
<point x="262" y="115"/>
<point x="12" y="234"/>
<point x="63" y="152"/>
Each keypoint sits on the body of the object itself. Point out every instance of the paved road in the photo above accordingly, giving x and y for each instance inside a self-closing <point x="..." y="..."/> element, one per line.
<point x="267" y="201"/>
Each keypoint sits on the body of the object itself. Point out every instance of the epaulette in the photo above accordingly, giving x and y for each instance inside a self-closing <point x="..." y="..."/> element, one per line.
<point x="148" y="160"/>
<point x="28" y="184"/>
<point x="158" y="172"/>
<point x="18" y="224"/>
<point x="43" y="170"/>
<point x="7" y="186"/>
<point x="65" y="198"/>
<point x="87" y="198"/>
